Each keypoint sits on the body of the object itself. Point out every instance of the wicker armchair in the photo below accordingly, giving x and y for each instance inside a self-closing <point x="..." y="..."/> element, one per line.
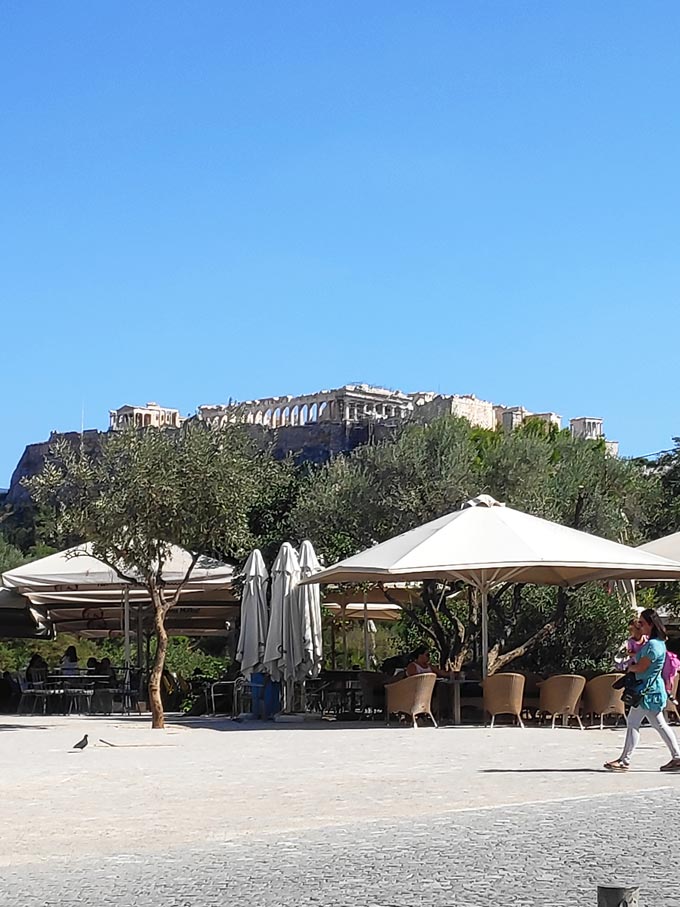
<point x="411" y="696"/>
<point x="600" y="698"/>
<point x="503" y="696"/>
<point x="561" y="695"/>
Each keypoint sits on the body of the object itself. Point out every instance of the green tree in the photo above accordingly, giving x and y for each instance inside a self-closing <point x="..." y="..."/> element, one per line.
<point x="147" y="490"/>
<point x="10" y="555"/>
<point x="431" y="470"/>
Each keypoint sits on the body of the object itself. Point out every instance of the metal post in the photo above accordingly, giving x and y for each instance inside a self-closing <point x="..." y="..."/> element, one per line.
<point x="618" y="896"/>
<point x="126" y="626"/>
<point x="140" y="637"/>
<point x="367" y="649"/>
<point x="127" y="699"/>
<point x="345" y="660"/>
<point x="485" y="631"/>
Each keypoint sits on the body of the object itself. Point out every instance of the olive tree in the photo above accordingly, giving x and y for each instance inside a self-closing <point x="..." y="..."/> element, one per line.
<point x="149" y="489"/>
<point x="379" y="491"/>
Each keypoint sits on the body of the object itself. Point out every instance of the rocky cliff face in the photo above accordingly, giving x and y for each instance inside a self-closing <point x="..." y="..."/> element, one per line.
<point x="33" y="459"/>
<point x="312" y="443"/>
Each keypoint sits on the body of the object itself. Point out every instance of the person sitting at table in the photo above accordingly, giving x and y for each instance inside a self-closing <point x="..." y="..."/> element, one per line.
<point x="37" y="669"/>
<point x="420" y="664"/>
<point x="69" y="662"/>
<point x="92" y="665"/>
<point x="106" y="670"/>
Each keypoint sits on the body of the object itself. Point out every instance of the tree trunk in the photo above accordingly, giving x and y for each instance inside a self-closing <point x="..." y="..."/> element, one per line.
<point x="155" y="699"/>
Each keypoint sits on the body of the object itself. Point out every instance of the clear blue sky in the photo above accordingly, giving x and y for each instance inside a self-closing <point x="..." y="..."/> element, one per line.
<point x="211" y="200"/>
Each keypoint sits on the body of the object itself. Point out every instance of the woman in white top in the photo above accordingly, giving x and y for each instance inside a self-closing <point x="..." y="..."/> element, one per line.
<point x="69" y="662"/>
<point x="420" y="664"/>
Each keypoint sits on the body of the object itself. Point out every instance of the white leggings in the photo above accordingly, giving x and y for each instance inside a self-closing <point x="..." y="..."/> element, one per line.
<point x="635" y="718"/>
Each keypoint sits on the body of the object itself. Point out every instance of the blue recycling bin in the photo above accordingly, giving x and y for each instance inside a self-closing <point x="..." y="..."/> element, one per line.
<point x="257" y="687"/>
<point x="272" y="698"/>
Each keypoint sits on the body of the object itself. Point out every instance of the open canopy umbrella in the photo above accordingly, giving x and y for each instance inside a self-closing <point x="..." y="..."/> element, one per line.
<point x="99" y="598"/>
<point x="77" y="570"/>
<point x="668" y="546"/>
<point x="254" y="615"/>
<point x="486" y="543"/>
<point x="20" y="620"/>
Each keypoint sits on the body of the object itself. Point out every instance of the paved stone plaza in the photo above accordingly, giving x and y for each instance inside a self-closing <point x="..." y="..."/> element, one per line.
<point x="213" y="813"/>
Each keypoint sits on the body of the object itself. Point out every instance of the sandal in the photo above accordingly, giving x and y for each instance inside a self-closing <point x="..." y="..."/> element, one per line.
<point x="617" y="766"/>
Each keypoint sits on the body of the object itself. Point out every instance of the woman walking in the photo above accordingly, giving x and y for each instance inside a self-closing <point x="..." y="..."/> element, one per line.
<point x="648" y="669"/>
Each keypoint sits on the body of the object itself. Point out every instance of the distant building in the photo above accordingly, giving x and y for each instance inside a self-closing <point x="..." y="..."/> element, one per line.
<point x="357" y="404"/>
<point x="351" y="403"/>
<point x="478" y="412"/>
<point x="150" y="416"/>
<point x="590" y="428"/>
<point x="511" y="417"/>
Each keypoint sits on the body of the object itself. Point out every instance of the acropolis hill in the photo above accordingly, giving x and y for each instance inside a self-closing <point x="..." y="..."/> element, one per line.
<point x="313" y="427"/>
<point x="353" y="404"/>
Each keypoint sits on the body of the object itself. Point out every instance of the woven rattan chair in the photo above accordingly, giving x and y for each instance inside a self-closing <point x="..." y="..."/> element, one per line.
<point x="411" y="696"/>
<point x="600" y="698"/>
<point x="561" y="695"/>
<point x="503" y="696"/>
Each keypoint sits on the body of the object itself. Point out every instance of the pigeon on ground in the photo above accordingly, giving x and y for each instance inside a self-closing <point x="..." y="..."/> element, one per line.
<point x="81" y="744"/>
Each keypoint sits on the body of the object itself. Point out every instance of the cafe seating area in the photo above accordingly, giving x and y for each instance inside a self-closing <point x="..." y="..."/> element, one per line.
<point x="561" y="700"/>
<point x="82" y="692"/>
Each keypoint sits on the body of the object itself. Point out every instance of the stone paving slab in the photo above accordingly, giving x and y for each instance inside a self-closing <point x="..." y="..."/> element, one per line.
<point x="542" y="855"/>
<point x="216" y="813"/>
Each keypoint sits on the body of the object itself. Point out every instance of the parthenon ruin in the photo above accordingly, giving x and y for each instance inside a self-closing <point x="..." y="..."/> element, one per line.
<point x="367" y="403"/>
<point x="355" y="404"/>
<point x="351" y="403"/>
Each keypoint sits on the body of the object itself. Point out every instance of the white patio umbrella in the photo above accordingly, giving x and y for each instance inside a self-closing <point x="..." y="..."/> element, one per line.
<point x="279" y="657"/>
<point x="486" y="543"/>
<point x="77" y="570"/>
<point x="254" y="615"/>
<point x="668" y="546"/>
<point x="76" y="578"/>
<point x="309" y="615"/>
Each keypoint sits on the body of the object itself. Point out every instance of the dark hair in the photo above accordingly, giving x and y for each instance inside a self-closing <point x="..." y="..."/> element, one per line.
<point x="421" y="650"/>
<point x="650" y="616"/>
<point x="71" y="653"/>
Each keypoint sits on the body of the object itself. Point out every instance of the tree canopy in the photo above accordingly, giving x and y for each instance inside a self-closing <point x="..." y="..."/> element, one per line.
<point x="144" y="491"/>
<point x="431" y="470"/>
<point x="212" y="492"/>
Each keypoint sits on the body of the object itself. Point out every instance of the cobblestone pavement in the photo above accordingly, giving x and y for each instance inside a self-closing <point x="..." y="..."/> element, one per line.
<point x="547" y="855"/>
<point x="329" y="817"/>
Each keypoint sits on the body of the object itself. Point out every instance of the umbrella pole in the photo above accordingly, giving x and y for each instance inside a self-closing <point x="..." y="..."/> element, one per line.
<point x="126" y="627"/>
<point x="332" y="631"/>
<point x="140" y="638"/>
<point x="485" y="631"/>
<point x="367" y="652"/>
<point x="344" y="641"/>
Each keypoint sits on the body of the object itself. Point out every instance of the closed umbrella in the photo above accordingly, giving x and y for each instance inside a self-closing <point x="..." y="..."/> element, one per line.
<point x="279" y="655"/>
<point x="309" y="615"/>
<point x="486" y="543"/>
<point x="254" y="616"/>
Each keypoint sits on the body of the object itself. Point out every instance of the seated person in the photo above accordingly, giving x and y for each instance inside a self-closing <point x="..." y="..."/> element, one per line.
<point x="420" y="664"/>
<point x="36" y="671"/>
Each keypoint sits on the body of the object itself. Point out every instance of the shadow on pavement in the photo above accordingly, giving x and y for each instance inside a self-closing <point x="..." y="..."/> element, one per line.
<point x="23" y="727"/>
